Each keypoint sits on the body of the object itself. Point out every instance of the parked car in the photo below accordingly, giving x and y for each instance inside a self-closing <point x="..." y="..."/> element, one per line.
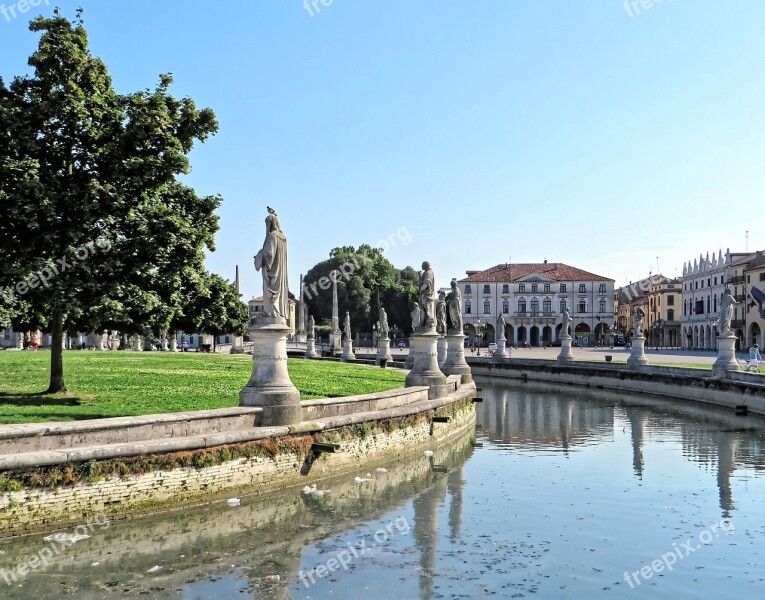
<point x="402" y="344"/>
<point x="492" y="347"/>
<point x="555" y="344"/>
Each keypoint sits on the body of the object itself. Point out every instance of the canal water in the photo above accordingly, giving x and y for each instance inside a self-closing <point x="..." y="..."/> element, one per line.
<point x="558" y="493"/>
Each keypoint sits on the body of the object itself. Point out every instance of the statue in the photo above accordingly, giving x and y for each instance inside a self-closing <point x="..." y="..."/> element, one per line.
<point x="416" y="315"/>
<point x="441" y="314"/>
<point x="500" y="333"/>
<point x="384" y="329"/>
<point x="428" y="296"/>
<point x="637" y="321"/>
<point x="272" y="260"/>
<point x="566" y="323"/>
<point x="726" y="313"/>
<point x="347" y="325"/>
<point x="311" y="325"/>
<point x="454" y="304"/>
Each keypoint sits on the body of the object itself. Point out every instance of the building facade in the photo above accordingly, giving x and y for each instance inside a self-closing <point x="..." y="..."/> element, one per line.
<point x="754" y="307"/>
<point x="531" y="298"/>
<point x="662" y="318"/>
<point x="255" y="306"/>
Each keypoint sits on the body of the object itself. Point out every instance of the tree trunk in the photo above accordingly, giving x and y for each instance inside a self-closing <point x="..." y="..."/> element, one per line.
<point x="57" y="355"/>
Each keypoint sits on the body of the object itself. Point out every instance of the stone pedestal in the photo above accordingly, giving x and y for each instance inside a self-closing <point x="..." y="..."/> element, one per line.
<point x="726" y="355"/>
<point x="501" y="349"/>
<point x="270" y="385"/>
<point x="409" y="362"/>
<point x="173" y="344"/>
<point x="347" y="351"/>
<point x="310" y="348"/>
<point x="565" y="350"/>
<point x="425" y="370"/>
<point x="442" y="351"/>
<point x="301" y="337"/>
<point x="383" y="350"/>
<point x="455" y="358"/>
<point x="19" y="341"/>
<point x="165" y="346"/>
<point x="336" y="342"/>
<point x="138" y="344"/>
<point x="637" y="355"/>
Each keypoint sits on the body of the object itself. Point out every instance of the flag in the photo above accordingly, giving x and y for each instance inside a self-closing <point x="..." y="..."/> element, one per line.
<point x="756" y="296"/>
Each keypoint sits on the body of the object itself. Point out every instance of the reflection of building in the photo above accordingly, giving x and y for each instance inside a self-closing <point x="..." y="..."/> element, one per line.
<point x="532" y="296"/>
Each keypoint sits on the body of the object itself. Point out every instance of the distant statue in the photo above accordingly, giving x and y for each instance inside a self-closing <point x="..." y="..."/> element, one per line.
<point x="726" y="313"/>
<point x="272" y="261"/>
<point x="454" y="305"/>
<point x="416" y="315"/>
<point x="441" y="314"/>
<point x="566" y="322"/>
<point x="384" y="329"/>
<point x="428" y="296"/>
<point x="500" y="333"/>
<point x="347" y="325"/>
<point x="637" y="321"/>
<point x="311" y="327"/>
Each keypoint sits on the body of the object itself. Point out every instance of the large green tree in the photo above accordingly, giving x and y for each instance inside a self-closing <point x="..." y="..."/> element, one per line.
<point x="95" y="228"/>
<point x="217" y="309"/>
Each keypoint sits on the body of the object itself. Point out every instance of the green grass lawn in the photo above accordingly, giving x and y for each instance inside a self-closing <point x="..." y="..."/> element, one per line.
<point x="114" y="384"/>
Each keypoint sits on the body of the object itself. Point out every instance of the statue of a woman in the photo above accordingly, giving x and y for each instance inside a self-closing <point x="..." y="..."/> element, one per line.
<point x="428" y="296"/>
<point x="311" y="326"/>
<point x="347" y="325"/>
<point x="454" y="304"/>
<point x="726" y="313"/>
<point x="500" y="333"/>
<point x="272" y="261"/>
<point x="416" y="315"/>
<point x="384" y="329"/>
<point x="441" y="314"/>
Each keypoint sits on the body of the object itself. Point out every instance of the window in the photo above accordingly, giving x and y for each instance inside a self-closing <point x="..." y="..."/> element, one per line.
<point x="685" y="307"/>
<point x="697" y="285"/>
<point x="467" y="307"/>
<point x="670" y="315"/>
<point x="702" y="284"/>
<point x="506" y="307"/>
<point x="547" y="288"/>
<point x="535" y="306"/>
<point x="602" y="305"/>
<point x="602" y="288"/>
<point x="670" y="300"/>
<point x="709" y="303"/>
<point x="487" y="289"/>
<point x="582" y="288"/>
<point x="505" y="289"/>
<point x="547" y="306"/>
<point x="534" y="288"/>
<point x="562" y="305"/>
<point x="715" y="280"/>
<point x="486" y="307"/>
<point x="715" y="304"/>
<point x="521" y="306"/>
<point x="522" y="288"/>
<point x="709" y="282"/>
<point x="762" y="276"/>
<point x="722" y="278"/>
<point x="582" y="306"/>
<point x="562" y="288"/>
<point x="468" y="290"/>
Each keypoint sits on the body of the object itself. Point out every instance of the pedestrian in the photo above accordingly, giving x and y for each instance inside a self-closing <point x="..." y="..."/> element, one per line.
<point x="754" y="355"/>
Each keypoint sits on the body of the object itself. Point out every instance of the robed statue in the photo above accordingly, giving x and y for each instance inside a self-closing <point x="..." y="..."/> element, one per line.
<point x="441" y="314"/>
<point x="500" y="333"/>
<point x="347" y="325"/>
<point x="637" y="321"/>
<point x="427" y="297"/>
<point x="726" y="313"/>
<point x="566" y="323"/>
<point x="311" y="327"/>
<point x="272" y="261"/>
<point x="384" y="329"/>
<point x="416" y="315"/>
<point x="454" y="309"/>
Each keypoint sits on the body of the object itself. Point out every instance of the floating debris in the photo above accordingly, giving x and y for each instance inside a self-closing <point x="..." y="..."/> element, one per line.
<point x="154" y="569"/>
<point x="382" y="470"/>
<point x="233" y="501"/>
<point x="428" y="453"/>
<point x="362" y="479"/>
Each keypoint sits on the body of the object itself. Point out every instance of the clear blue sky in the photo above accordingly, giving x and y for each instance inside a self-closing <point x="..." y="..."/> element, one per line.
<point x="564" y="130"/>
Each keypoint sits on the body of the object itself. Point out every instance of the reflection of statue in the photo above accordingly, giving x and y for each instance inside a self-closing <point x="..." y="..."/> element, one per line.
<point x="416" y="315"/>
<point x="311" y="325"/>
<point x="427" y="296"/>
<point x="500" y="333"/>
<point x="441" y="314"/>
<point x="566" y="323"/>
<point x="384" y="330"/>
<point x="272" y="260"/>
<point x="454" y="304"/>
<point x="726" y="312"/>
<point x="637" y="321"/>
<point x="347" y="325"/>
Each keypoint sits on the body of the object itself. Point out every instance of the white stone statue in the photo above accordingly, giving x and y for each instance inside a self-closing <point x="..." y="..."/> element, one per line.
<point x="500" y="333"/>
<point x="726" y="313"/>
<point x="566" y="323"/>
<point x="311" y="327"/>
<point x="347" y="325"/>
<point x="454" y="314"/>
<point x="272" y="261"/>
<point x="441" y="314"/>
<point x="637" y="321"/>
<point x="428" y="296"/>
<point x="384" y="329"/>
<point x="416" y="315"/>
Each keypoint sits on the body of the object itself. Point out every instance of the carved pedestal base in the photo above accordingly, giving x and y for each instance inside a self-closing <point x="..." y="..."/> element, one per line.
<point x="726" y="356"/>
<point x="637" y="356"/>
<point x="501" y="349"/>
<point x="310" y="348"/>
<point x="455" y="357"/>
<point x="270" y="385"/>
<point x="565" y="355"/>
<point x="348" y="351"/>
<point x="425" y="370"/>
<point x="383" y="351"/>
<point x="336" y="342"/>
<point x="443" y="348"/>
<point x="409" y="362"/>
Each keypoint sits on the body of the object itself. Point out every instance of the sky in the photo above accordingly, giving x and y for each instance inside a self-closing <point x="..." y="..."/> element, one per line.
<point x="609" y="136"/>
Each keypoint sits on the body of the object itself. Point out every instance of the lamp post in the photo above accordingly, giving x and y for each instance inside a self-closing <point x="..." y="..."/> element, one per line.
<point x="374" y="335"/>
